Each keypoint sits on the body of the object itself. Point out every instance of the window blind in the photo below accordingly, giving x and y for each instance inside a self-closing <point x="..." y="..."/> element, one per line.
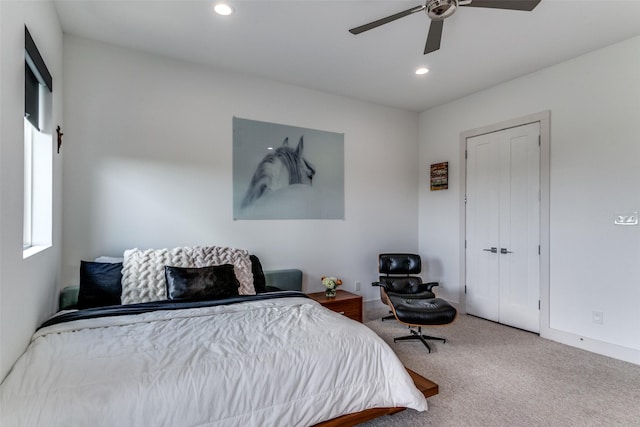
<point x="36" y="73"/>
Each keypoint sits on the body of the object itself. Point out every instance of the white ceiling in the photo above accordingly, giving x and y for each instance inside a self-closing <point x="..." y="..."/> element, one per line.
<point x="306" y="42"/>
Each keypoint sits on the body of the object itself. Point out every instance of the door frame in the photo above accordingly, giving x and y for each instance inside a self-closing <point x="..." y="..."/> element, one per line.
<point x="544" y="118"/>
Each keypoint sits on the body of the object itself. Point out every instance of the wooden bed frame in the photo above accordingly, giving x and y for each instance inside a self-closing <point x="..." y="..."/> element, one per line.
<point x="427" y="387"/>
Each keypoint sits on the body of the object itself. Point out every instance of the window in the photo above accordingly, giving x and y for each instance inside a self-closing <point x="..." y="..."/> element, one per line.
<point x="28" y="184"/>
<point x="38" y="152"/>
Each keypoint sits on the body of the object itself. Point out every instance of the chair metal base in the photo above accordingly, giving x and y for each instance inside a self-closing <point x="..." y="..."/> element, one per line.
<point x="417" y="335"/>
<point x="390" y="316"/>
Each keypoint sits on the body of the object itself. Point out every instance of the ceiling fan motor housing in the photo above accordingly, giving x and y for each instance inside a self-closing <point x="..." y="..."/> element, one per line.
<point x="441" y="9"/>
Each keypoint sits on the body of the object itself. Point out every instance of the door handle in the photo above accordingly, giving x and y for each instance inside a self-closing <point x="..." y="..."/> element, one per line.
<point x="505" y="251"/>
<point x="493" y="250"/>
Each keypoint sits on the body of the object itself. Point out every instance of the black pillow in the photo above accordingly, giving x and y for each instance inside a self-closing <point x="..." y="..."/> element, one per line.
<point x="205" y="283"/>
<point x="259" y="282"/>
<point x="100" y="284"/>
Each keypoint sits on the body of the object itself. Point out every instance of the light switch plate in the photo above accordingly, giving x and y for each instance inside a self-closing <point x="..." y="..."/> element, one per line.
<point x="626" y="218"/>
<point x="597" y="317"/>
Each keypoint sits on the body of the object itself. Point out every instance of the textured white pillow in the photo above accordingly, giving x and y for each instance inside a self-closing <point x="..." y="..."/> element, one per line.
<point x="143" y="277"/>
<point x="108" y="259"/>
<point x="205" y="256"/>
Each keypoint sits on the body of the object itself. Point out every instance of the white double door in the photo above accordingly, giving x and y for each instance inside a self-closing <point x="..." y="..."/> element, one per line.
<point x="503" y="226"/>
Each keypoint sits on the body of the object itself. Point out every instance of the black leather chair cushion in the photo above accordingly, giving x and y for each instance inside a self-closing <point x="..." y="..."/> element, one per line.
<point x="399" y="263"/>
<point x="414" y="311"/>
<point x="407" y="285"/>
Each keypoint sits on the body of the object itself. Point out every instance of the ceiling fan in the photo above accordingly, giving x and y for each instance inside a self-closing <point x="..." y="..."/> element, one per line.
<point x="439" y="10"/>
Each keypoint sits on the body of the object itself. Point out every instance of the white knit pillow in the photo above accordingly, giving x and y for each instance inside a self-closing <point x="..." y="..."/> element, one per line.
<point x="143" y="277"/>
<point x="217" y="255"/>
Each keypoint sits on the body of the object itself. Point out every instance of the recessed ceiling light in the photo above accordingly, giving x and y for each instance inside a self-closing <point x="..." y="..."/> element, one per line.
<point x="223" y="9"/>
<point x="421" y="71"/>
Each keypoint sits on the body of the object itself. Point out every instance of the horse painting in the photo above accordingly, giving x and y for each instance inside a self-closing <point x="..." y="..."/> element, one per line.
<point x="277" y="171"/>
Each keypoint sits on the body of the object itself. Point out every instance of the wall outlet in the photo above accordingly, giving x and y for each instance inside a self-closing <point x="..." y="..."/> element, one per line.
<point x="356" y="285"/>
<point x="597" y="317"/>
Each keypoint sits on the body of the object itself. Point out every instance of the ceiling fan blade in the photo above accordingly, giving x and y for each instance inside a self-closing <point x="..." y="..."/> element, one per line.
<point x="526" y="5"/>
<point x="374" y="24"/>
<point x="433" y="39"/>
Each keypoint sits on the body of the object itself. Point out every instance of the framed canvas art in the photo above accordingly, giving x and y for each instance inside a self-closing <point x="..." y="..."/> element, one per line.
<point x="286" y="172"/>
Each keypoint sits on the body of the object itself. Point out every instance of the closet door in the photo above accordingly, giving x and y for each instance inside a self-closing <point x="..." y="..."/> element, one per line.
<point x="503" y="223"/>
<point x="483" y="227"/>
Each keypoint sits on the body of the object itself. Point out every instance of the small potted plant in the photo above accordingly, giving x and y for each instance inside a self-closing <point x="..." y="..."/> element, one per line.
<point x="331" y="283"/>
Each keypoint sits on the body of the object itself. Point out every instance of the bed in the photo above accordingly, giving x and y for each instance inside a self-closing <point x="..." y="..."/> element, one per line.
<point x="263" y="359"/>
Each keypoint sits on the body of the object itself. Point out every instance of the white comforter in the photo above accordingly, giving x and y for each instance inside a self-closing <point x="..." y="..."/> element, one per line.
<point x="279" y="362"/>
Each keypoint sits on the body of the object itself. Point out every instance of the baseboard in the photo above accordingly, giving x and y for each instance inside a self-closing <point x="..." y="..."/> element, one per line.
<point x="595" y="346"/>
<point x="589" y="344"/>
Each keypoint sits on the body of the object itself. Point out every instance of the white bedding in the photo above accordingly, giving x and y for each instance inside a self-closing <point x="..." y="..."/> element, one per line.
<point x="278" y="362"/>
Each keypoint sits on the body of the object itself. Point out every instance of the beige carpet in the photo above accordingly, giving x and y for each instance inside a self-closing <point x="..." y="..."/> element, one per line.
<point x="494" y="375"/>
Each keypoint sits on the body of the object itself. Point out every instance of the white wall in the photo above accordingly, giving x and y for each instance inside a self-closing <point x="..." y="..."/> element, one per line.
<point x="595" y="158"/>
<point x="27" y="287"/>
<point x="148" y="164"/>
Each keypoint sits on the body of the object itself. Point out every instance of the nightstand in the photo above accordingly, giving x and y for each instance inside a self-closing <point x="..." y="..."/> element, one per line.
<point x="344" y="303"/>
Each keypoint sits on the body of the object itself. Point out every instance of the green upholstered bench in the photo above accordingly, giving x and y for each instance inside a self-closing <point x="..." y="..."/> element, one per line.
<point x="286" y="280"/>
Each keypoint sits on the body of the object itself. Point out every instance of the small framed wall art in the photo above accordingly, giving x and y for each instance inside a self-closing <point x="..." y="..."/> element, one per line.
<point x="439" y="176"/>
